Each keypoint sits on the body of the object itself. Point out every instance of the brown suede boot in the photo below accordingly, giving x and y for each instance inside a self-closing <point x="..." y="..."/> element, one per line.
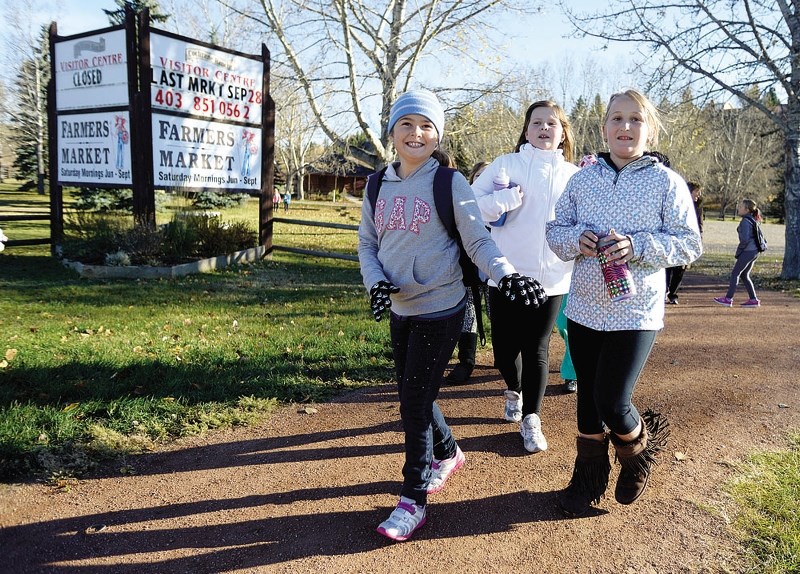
<point x="589" y="477"/>
<point x="637" y="456"/>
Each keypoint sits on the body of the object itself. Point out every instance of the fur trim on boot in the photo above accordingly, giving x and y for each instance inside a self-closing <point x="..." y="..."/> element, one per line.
<point x="638" y="456"/>
<point x="589" y="477"/>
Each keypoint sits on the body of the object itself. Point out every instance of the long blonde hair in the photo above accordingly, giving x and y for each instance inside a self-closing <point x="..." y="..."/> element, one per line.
<point x="651" y="114"/>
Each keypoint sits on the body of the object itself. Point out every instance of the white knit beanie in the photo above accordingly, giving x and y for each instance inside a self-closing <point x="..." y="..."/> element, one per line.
<point x="421" y="102"/>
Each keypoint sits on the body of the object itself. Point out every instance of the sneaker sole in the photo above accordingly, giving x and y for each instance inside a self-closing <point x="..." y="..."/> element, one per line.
<point x="383" y="532"/>
<point x="724" y="304"/>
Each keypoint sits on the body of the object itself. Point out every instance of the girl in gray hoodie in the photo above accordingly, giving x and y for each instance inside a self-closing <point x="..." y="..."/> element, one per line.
<point x="410" y="266"/>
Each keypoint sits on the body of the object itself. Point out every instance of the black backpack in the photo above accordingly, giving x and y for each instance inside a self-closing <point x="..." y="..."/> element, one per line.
<point x="761" y="241"/>
<point x="443" y="199"/>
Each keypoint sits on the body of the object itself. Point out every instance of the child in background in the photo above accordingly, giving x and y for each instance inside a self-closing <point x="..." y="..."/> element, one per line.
<point x="468" y="340"/>
<point x="409" y="264"/>
<point x="675" y="274"/>
<point x="746" y="255"/>
<point x="644" y="208"/>
<point x="540" y="168"/>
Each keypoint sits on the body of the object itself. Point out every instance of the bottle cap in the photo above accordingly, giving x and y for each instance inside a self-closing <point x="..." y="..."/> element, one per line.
<point x="502" y="177"/>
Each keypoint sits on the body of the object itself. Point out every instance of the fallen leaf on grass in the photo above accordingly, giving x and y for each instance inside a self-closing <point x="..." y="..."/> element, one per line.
<point x="680" y="455"/>
<point x="308" y="411"/>
<point x="10" y="354"/>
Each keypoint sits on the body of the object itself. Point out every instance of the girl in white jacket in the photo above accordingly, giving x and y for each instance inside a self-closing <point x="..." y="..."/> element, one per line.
<point x="538" y="169"/>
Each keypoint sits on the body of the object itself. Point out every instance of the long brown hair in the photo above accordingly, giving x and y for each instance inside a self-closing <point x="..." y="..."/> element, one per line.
<point x="568" y="145"/>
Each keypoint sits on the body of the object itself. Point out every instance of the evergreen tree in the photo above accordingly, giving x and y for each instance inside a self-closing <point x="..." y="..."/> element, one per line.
<point x="29" y="114"/>
<point x="117" y="17"/>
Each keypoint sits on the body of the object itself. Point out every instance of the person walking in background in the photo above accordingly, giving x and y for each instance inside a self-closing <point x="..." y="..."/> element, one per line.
<point x="410" y="266"/>
<point x="675" y="274"/>
<point x="746" y="254"/>
<point x="287" y="199"/>
<point x="640" y="213"/>
<point x="538" y="169"/>
<point x="567" y="368"/>
<point x="276" y="199"/>
<point x="468" y="340"/>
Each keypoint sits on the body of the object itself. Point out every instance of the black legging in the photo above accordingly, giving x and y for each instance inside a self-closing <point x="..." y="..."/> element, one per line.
<point x="608" y="364"/>
<point x="525" y="331"/>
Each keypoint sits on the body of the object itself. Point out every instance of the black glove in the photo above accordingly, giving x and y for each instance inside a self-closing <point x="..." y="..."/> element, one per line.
<point x="524" y="289"/>
<point x="379" y="298"/>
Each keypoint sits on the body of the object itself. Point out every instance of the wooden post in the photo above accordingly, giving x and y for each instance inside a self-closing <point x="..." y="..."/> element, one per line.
<point x="56" y="191"/>
<point x="265" y="203"/>
<point x="144" y="197"/>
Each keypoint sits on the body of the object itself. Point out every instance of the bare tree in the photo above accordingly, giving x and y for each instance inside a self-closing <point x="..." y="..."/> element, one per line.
<point x="213" y="22"/>
<point x="740" y="156"/>
<point x="483" y="131"/>
<point x="363" y="53"/>
<point x="722" y="48"/>
<point x="295" y="128"/>
<point x="28" y="110"/>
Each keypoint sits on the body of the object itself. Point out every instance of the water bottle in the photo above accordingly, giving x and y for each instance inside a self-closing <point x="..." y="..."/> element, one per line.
<point x="618" y="278"/>
<point x="500" y="181"/>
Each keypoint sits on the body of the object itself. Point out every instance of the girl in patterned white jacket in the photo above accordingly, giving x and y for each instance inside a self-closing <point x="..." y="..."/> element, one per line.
<point x="630" y="198"/>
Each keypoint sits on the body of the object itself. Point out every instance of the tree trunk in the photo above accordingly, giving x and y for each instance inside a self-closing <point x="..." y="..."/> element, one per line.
<point x="791" y="257"/>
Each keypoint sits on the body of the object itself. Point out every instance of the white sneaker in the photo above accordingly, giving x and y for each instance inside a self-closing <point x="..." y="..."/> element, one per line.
<point x="513" y="412"/>
<point x="403" y="521"/>
<point x="441" y="470"/>
<point x="531" y="431"/>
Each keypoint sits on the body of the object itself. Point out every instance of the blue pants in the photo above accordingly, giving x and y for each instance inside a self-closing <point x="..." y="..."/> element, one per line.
<point x="608" y="364"/>
<point x="741" y="270"/>
<point x="567" y="369"/>
<point x="422" y="349"/>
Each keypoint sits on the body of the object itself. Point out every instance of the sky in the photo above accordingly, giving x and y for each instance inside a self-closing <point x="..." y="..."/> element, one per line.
<point x="528" y="41"/>
<point x="532" y="40"/>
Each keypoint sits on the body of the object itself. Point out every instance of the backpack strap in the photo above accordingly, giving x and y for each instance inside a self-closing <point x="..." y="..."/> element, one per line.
<point x="443" y="198"/>
<point x="374" y="186"/>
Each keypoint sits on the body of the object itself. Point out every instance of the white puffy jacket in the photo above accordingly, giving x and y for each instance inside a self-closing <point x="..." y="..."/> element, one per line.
<point x="542" y="176"/>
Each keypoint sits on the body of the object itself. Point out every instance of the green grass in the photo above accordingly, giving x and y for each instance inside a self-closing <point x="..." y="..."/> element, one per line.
<point x="105" y="368"/>
<point x="766" y="275"/>
<point x="114" y="366"/>
<point x="767" y="491"/>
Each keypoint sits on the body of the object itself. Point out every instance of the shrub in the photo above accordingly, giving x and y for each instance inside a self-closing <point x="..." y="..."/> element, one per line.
<point x="216" y="237"/>
<point x="106" y="239"/>
<point x="213" y="200"/>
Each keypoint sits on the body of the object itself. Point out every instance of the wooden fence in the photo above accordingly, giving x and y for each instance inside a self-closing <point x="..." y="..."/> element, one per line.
<point x="27" y="217"/>
<point x="329" y="254"/>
